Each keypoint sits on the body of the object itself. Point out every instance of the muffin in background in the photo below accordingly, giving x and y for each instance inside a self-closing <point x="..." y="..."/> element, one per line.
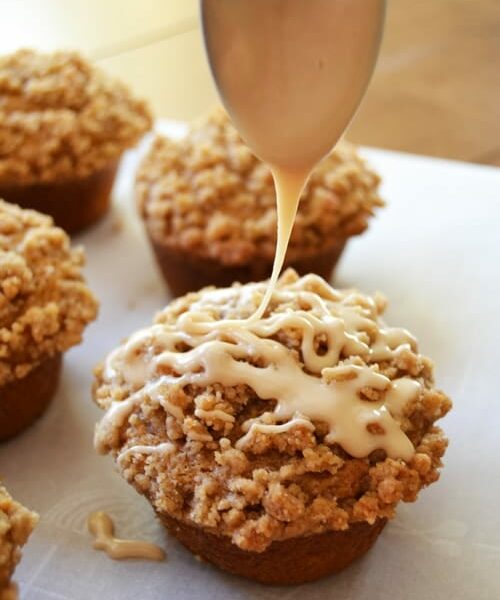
<point x="209" y="207"/>
<point x="16" y="525"/>
<point x="64" y="125"/>
<point x="278" y="448"/>
<point x="45" y="306"/>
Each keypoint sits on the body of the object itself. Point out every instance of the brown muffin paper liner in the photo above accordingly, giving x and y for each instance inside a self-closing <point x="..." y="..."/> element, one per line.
<point x="185" y="272"/>
<point x="284" y="562"/>
<point x="74" y="204"/>
<point x="24" y="400"/>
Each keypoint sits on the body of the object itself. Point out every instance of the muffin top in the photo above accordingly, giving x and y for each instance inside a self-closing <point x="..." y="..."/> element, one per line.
<point x="44" y="301"/>
<point x="62" y="118"/>
<point x="209" y="195"/>
<point x="16" y="524"/>
<point x="316" y="416"/>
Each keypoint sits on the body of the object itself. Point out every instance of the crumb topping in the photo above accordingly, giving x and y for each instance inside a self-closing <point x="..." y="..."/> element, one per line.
<point x="189" y="442"/>
<point x="16" y="525"/>
<point x="44" y="301"/>
<point x="208" y="194"/>
<point x="61" y="117"/>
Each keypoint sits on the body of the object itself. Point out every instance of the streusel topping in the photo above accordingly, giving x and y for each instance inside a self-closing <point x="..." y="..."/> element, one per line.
<point x="61" y="117"/>
<point x="316" y="416"/>
<point x="208" y="194"/>
<point x="44" y="302"/>
<point x="16" y="525"/>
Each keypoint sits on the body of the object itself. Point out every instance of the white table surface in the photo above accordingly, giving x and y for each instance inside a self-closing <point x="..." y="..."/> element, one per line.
<point x="435" y="252"/>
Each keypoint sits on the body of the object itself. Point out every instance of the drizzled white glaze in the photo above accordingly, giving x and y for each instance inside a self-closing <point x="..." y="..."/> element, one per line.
<point x="233" y="352"/>
<point x="164" y="448"/>
<point x="289" y="186"/>
<point x="101" y="526"/>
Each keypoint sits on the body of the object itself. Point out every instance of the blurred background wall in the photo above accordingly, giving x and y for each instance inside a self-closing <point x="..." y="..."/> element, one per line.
<point x="436" y="89"/>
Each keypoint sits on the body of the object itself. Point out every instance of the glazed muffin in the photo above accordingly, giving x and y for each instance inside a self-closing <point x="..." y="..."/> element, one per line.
<point x="209" y="207"/>
<point x="16" y="525"/>
<point x="44" y="307"/>
<point x="63" y="127"/>
<point x="278" y="448"/>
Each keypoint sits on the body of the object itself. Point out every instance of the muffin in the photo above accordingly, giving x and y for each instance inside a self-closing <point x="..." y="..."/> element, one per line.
<point x="63" y="127"/>
<point x="209" y="207"/>
<point x="16" y="525"/>
<point x="44" y="307"/>
<point x="278" y="448"/>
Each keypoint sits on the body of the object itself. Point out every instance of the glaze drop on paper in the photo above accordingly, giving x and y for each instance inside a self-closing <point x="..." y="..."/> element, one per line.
<point x="101" y="526"/>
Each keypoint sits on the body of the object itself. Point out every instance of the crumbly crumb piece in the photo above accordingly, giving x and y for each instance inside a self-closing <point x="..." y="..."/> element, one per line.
<point x="16" y="525"/>
<point x="61" y="117"/>
<point x="44" y="301"/>
<point x="208" y="194"/>
<point x="279" y="484"/>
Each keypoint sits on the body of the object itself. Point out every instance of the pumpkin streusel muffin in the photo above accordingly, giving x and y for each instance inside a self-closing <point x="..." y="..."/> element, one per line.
<point x="276" y="448"/>
<point x="209" y="206"/>
<point x="16" y="525"/>
<point x="44" y="307"/>
<point x="63" y="127"/>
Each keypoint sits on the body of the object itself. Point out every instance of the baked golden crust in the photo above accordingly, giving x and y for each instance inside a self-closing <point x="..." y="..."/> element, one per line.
<point x="62" y="118"/>
<point x="264" y="486"/>
<point x="16" y="525"/>
<point x="44" y="302"/>
<point x="208" y="194"/>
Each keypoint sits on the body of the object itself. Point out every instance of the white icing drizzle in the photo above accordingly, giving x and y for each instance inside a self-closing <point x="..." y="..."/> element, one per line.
<point x="253" y="426"/>
<point x="213" y="414"/>
<point x="163" y="448"/>
<point x="402" y="391"/>
<point x="101" y="526"/>
<point x="240" y="351"/>
<point x="289" y="185"/>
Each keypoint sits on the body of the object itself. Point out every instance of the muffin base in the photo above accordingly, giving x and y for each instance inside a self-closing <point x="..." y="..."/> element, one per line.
<point x="185" y="273"/>
<point x="24" y="400"/>
<point x="74" y="204"/>
<point x="285" y="562"/>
